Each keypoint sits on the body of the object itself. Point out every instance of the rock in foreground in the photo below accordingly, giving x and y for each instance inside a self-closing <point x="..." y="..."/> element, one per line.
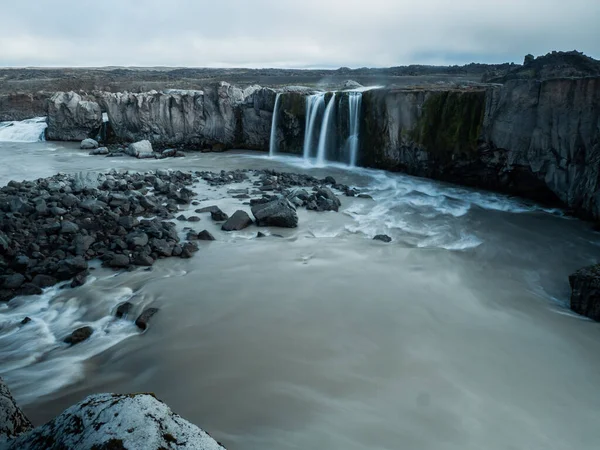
<point x="110" y="421"/>
<point x="12" y="420"/>
<point x="276" y="213"/>
<point x="585" y="294"/>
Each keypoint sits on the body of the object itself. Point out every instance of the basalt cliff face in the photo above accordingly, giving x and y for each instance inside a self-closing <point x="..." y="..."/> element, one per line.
<point x="540" y="140"/>
<point x="537" y="139"/>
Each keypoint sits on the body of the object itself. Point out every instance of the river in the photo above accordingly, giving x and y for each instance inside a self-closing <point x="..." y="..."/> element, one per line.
<point x="457" y="335"/>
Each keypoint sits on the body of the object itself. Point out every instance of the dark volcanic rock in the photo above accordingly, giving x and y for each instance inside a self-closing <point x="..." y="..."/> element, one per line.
<point x="29" y="289"/>
<point x="26" y="320"/>
<point x="12" y="281"/>
<point x="79" y="335"/>
<point x="383" y="238"/>
<point x="12" y="420"/>
<point x="218" y="215"/>
<point x="119" y="261"/>
<point x="585" y="292"/>
<point x="144" y="318"/>
<point x="79" y="279"/>
<point x="70" y="267"/>
<point x="44" y="281"/>
<point x="208" y="209"/>
<point x="238" y="221"/>
<point x="123" y="310"/>
<point x="205" y="235"/>
<point x="276" y="213"/>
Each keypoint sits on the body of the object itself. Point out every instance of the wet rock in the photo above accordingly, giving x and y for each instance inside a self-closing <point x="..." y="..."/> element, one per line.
<point x="119" y="261"/>
<point x="123" y="310"/>
<point x="140" y="148"/>
<point x="26" y="320"/>
<point x="276" y="213"/>
<point x="142" y="259"/>
<point x="128" y="222"/>
<point x="82" y="244"/>
<point x="116" y="422"/>
<point x="383" y="238"/>
<point x="208" y="209"/>
<point x="585" y="292"/>
<point x="44" y="281"/>
<point x="136" y="239"/>
<point x="193" y="219"/>
<point x="218" y="215"/>
<point x="181" y="218"/>
<point x="205" y="235"/>
<point x="12" y="420"/>
<point x="366" y="196"/>
<point x="238" y="221"/>
<point x="329" y="180"/>
<point x="162" y="247"/>
<point x="79" y="335"/>
<point x="79" y="279"/>
<point x="13" y="281"/>
<point x="170" y="152"/>
<point x="100" y="151"/>
<point x="188" y="249"/>
<point x="29" y="289"/>
<point x="69" y="267"/>
<point x="144" y="318"/>
<point x="260" y="234"/>
<point x="88" y="144"/>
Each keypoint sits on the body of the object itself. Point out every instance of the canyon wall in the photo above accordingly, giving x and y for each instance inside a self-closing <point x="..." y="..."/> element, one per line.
<point x="537" y="139"/>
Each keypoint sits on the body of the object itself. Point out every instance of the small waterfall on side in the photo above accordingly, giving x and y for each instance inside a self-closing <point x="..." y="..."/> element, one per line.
<point x="354" y="103"/>
<point x="273" y="147"/>
<point x="313" y="105"/>
<point x="30" y="130"/>
<point x="322" y="148"/>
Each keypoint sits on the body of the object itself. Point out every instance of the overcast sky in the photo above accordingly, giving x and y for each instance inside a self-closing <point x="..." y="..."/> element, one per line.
<point x="291" y="33"/>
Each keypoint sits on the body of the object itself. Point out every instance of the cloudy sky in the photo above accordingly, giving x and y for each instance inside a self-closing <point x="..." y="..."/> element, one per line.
<point x="291" y="33"/>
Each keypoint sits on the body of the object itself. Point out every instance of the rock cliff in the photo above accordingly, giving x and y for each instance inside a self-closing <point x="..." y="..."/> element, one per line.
<point x="71" y="118"/>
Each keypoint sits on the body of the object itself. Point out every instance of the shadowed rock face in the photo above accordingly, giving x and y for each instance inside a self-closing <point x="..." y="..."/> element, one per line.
<point x="585" y="294"/>
<point x="110" y="421"/>
<point x="540" y="140"/>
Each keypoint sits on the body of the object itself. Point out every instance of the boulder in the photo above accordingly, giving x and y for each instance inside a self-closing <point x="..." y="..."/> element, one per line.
<point x="123" y="310"/>
<point x="12" y="420"/>
<point x="383" y="238"/>
<point x="205" y="235"/>
<point x="208" y="209"/>
<point x="276" y="213"/>
<point x="119" y="261"/>
<point x="69" y="267"/>
<point x="144" y="318"/>
<point x="140" y="149"/>
<point x="238" y="221"/>
<point x="88" y="144"/>
<point x="44" y="281"/>
<point x="110" y="422"/>
<point x="29" y="289"/>
<point x="585" y="292"/>
<point x="79" y="335"/>
<point x="218" y="215"/>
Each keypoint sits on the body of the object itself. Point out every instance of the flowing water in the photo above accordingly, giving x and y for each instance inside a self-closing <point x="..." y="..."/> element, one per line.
<point x="355" y="103"/>
<point x="314" y="103"/>
<point x="325" y="128"/>
<point x="273" y="143"/>
<point x="456" y="335"/>
<point x="30" y="130"/>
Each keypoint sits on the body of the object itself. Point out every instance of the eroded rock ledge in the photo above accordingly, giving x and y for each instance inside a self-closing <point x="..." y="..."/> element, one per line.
<point x="103" y="422"/>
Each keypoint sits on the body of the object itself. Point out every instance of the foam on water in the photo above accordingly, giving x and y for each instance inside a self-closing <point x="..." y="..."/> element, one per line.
<point x="35" y="360"/>
<point x="30" y="130"/>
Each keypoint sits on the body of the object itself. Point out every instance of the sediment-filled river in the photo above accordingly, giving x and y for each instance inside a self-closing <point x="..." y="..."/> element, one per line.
<point x="456" y="335"/>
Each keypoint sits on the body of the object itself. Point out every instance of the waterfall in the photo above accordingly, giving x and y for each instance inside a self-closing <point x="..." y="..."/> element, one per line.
<point x="313" y="105"/>
<point x="273" y="147"/>
<point x="30" y="130"/>
<point x="354" y="103"/>
<point x="322" y="148"/>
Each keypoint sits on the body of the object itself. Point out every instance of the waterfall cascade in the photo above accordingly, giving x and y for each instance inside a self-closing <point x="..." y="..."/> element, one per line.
<point x="30" y="130"/>
<point x="273" y="147"/>
<point x="314" y="103"/>
<point x="325" y="126"/>
<point x="354" y="105"/>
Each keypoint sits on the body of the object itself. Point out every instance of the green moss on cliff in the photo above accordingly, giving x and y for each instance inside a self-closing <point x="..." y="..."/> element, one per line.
<point x="450" y="123"/>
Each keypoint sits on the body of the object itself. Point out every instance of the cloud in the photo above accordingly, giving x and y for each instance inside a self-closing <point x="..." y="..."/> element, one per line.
<point x="284" y="33"/>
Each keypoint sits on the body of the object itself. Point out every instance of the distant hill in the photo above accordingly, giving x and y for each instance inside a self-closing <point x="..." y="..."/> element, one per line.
<point x="552" y="65"/>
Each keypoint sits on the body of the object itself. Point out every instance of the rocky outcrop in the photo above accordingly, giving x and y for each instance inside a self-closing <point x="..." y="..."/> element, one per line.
<point x="12" y="420"/>
<point x="585" y="292"/>
<point x="217" y="117"/>
<point x="537" y="139"/>
<point x="116" y="422"/>
<point x="71" y="118"/>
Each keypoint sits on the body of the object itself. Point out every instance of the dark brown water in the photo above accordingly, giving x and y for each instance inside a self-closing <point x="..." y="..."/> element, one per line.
<point x="454" y="336"/>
